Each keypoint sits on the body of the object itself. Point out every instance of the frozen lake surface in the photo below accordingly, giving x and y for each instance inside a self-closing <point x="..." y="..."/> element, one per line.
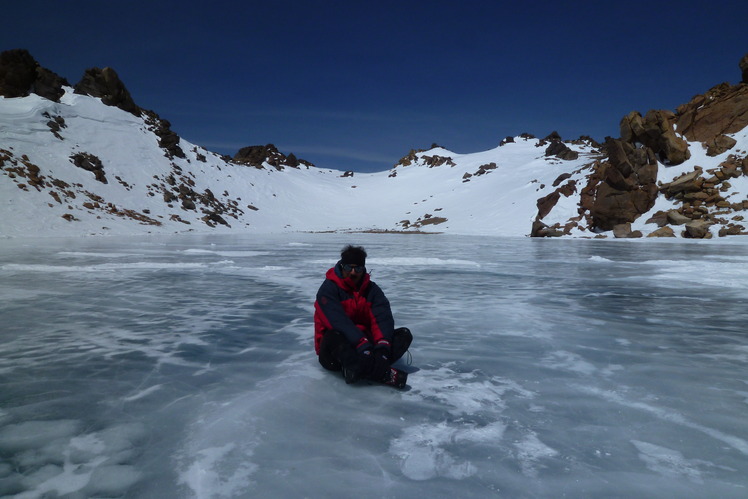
<point x="183" y="366"/>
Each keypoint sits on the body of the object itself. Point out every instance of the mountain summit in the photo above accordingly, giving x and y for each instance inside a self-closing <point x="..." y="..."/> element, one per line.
<point x="86" y="159"/>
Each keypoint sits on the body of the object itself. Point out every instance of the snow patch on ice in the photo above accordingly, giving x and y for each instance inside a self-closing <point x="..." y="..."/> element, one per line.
<point x="426" y="451"/>
<point x="213" y="472"/>
<point x="600" y="259"/>
<point x="422" y="450"/>
<point x="669" y="462"/>
<point x="569" y="361"/>
<point x="466" y="392"/>
<point x="530" y="451"/>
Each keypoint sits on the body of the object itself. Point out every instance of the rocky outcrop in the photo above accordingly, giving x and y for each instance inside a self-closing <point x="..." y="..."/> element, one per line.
<point x="655" y="131"/>
<point x="482" y="170"/>
<point x="168" y="140"/>
<point x="627" y="188"/>
<point x="720" y="111"/>
<point x="621" y="188"/>
<point x="548" y="202"/>
<point x="557" y="148"/>
<point x="704" y="198"/>
<point x="539" y="229"/>
<point x="429" y="161"/>
<point x="257" y="156"/>
<point x="21" y="75"/>
<point x="90" y="163"/>
<point x="561" y="151"/>
<point x="105" y="83"/>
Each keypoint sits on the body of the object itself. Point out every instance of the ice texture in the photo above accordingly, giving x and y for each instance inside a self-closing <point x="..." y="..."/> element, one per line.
<point x="184" y="367"/>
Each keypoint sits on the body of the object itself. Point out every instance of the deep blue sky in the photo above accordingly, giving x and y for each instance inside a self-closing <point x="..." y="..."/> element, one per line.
<point x="355" y="85"/>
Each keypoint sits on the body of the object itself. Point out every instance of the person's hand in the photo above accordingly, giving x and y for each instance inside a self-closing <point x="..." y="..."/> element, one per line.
<point x="381" y="360"/>
<point x="365" y="360"/>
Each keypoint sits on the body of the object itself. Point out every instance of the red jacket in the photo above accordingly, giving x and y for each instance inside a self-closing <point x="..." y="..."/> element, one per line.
<point x="361" y="313"/>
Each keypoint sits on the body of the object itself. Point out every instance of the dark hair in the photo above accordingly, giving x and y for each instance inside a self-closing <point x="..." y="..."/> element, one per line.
<point x="353" y="254"/>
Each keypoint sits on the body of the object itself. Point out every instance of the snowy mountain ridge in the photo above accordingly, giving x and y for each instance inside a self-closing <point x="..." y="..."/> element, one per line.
<point x="80" y="167"/>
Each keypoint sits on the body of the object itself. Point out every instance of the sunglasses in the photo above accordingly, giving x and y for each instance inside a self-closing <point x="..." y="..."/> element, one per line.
<point x="350" y="267"/>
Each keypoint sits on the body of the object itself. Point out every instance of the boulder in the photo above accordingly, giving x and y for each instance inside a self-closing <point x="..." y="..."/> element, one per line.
<point x="673" y="149"/>
<point x="698" y="229"/>
<point x="662" y="232"/>
<point x="105" y="83"/>
<point x="689" y="182"/>
<point x="622" y="231"/>
<point x="539" y="229"/>
<point x="676" y="218"/>
<point x="719" y="144"/>
<point x="732" y="230"/>
<point x="547" y="203"/>
<point x="560" y="150"/>
<point x="561" y="178"/>
<point x="659" y="219"/>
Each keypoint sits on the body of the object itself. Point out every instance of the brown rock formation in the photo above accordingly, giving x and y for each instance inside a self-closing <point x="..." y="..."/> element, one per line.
<point x="704" y="198"/>
<point x="21" y="75"/>
<point x="168" y="139"/>
<point x="655" y="130"/>
<point x="623" y="187"/>
<point x="561" y="151"/>
<point x="662" y="232"/>
<point x="105" y="83"/>
<point x="257" y="155"/>
<point x="721" y="110"/>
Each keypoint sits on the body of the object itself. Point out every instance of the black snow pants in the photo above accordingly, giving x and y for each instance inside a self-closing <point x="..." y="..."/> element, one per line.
<point x="335" y="352"/>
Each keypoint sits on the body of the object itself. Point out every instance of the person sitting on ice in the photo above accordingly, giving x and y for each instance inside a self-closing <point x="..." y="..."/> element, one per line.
<point x="354" y="331"/>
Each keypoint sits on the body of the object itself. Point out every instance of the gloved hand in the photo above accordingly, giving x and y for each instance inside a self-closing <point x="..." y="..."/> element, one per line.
<point x="365" y="358"/>
<point x="381" y="360"/>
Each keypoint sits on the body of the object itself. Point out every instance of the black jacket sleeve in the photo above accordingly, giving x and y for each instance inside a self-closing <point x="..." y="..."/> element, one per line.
<point x="380" y="309"/>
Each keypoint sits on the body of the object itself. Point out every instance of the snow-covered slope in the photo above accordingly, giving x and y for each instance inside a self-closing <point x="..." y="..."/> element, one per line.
<point x="69" y="199"/>
<point x="42" y="191"/>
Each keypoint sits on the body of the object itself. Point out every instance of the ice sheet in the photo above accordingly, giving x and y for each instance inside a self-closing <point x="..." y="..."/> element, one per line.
<point x="184" y="367"/>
